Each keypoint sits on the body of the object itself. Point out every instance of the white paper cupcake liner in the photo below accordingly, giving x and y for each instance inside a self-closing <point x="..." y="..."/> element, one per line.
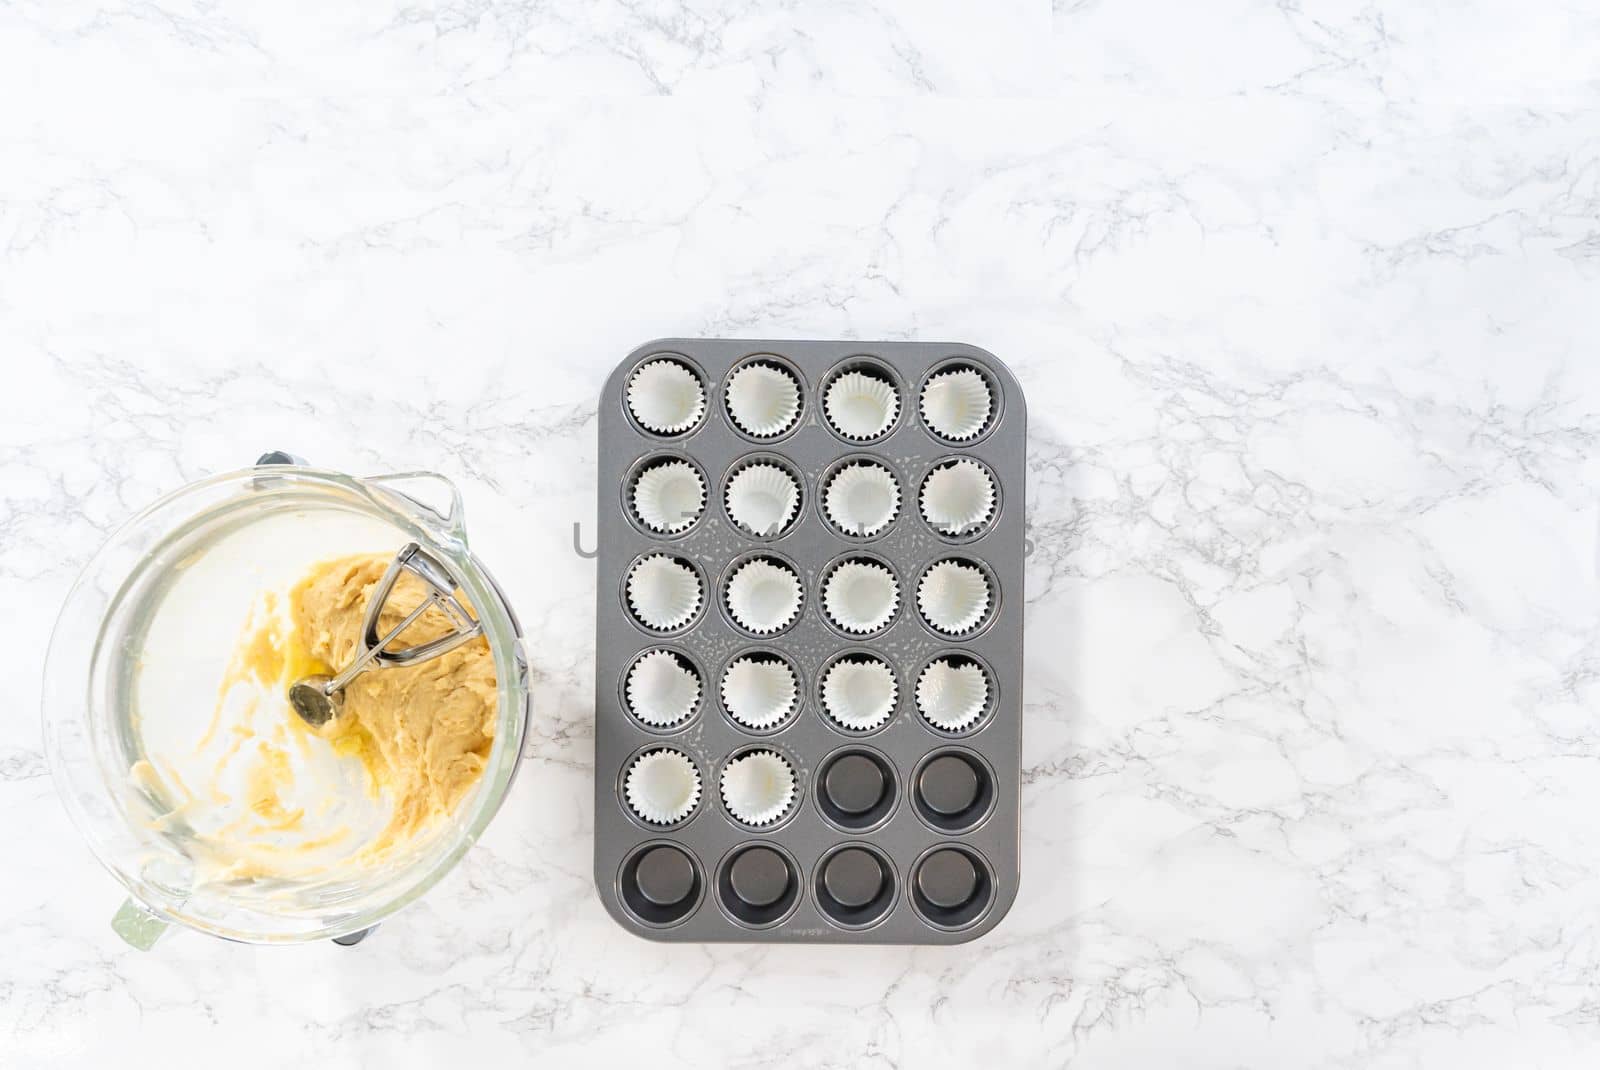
<point x="957" y="497"/>
<point x="758" y="788"/>
<point x="665" y="397"/>
<point x="859" y="692"/>
<point x="956" y="404"/>
<point x="953" y="597"/>
<point x="663" y="592"/>
<point x="860" y="405"/>
<point x="661" y="690"/>
<point x="669" y="496"/>
<point x="759" y="692"/>
<point x="862" y="498"/>
<point x="763" y="399"/>
<point x="952" y="696"/>
<point x="763" y="499"/>
<point x="763" y="596"/>
<point x="662" y="787"/>
<point x="861" y="596"/>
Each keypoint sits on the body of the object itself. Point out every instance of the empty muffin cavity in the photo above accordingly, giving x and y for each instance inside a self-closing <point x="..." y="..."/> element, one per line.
<point x="660" y="884"/>
<point x="855" y="789"/>
<point x="952" y="886"/>
<point x="855" y="885"/>
<point x="759" y="885"/>
<point x="953" y="790"/>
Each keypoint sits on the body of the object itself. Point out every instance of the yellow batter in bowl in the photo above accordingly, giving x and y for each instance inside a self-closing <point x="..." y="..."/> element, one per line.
<point x="421" y="733"/>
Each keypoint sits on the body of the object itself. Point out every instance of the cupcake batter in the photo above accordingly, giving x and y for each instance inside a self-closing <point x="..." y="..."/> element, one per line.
<point x="424" y="732"/>
<point x="264" y="795"/>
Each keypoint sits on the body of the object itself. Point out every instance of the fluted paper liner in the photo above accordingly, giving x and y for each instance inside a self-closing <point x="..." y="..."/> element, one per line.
<point x="956" y="403"/>
<point x="957" y="497"/>
<point x="759" y="692"/>
<point x="860" y="405"/>
<point x="662" y="786"/>
<point x="861" y="596"/>
<point x="862" y="498"/>
<point x="859" y="692"/>
<point x="763" y="595"/>
<point x="758" y="787"/>
<point x="953" y="597"/>
<point x="763" y="399"/>
<point x="661" y="690"/>
<point x="665" y="397"/>
<point x="951" y="696"/>
<point x="669" y="496"/>
<point x="763" y="498"/>
<point x="663" y="592"/>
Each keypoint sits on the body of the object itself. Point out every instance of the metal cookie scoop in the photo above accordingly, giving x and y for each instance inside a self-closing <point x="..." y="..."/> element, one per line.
<point x="318" y="698"/>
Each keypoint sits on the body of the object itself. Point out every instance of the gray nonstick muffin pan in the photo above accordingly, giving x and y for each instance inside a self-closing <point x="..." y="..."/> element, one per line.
<point x="808" y="668"/>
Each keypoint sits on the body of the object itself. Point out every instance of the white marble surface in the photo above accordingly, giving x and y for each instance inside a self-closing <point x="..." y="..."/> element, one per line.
<point x="1307" y="301"/>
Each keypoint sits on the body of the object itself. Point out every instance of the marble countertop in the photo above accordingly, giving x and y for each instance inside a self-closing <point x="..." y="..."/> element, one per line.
<point x="1305" y="305"/>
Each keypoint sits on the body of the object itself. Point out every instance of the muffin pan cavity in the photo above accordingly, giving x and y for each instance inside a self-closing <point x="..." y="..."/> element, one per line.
<point x="809" y="641"/>
<point x="663" y="689"/>
<point x="660" y="884"/>
<point x="758" y="885"/>
<point x="951" y="887"/>
<point x="955" y="692"/>
<point x="762" y="496"/>
<point x="763" y="397"/>
<point x="861" y="400"/>
<point x="761" y="690"/>
<point x="958" y="498"/>
<point x="666" y="396"/>
<point x="953" y="790"/>
<point x="855" y="886"/>
<point x="856" y="789"/>
<point x="759" y="787"/>
<point x="666" y="494"/>
<point x="959" y="403"/>
<point x="860" y="497"/>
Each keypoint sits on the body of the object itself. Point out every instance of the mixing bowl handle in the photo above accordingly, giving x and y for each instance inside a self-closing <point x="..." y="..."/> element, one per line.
<point x="138" y="925"/>
<point x="431" y="499"/>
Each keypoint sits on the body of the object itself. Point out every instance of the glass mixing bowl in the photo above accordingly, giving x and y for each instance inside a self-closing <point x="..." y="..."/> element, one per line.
<point x="135" y="669"/>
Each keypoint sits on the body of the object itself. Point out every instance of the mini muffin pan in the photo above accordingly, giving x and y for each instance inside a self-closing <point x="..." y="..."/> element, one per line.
<point x="808" y="692"/>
